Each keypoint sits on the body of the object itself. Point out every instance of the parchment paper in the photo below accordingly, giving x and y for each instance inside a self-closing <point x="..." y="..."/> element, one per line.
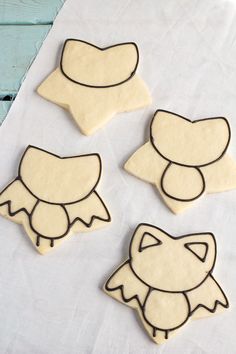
<point x="54" y="304"/>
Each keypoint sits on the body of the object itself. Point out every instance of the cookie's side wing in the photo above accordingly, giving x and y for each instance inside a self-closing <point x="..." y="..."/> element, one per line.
<point x="146" y="164"/>
<point x="88" y="213"/>
<point x="149" y="166"/>
<point x="16" y="199"/>
<point x="125" y="287"/>
<point x="207" y="299"/>
<point x="221" y="175"/>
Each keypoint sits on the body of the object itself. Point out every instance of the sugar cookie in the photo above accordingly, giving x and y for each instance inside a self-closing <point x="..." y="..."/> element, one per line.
<point x="53" y="196"/>
<point x="185" y="159"/>
<point x="168" y="280"/>
<point x="95" y="83"/>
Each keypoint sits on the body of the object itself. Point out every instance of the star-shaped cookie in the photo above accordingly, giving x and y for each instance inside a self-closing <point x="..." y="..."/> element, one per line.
<point x="95" y="83"/>
<point x="168" y="280"/>
<point x="185" y="159"/>
<point x="53" y="196"/>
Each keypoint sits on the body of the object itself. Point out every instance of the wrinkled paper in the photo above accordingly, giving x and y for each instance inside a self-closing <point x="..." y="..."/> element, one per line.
<point x="54" y="303"/>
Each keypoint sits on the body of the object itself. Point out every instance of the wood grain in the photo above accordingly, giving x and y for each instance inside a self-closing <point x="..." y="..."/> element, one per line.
<point x="29" y="11"/>
<point x="18" y="47"/>
<point x="23" y="26"/>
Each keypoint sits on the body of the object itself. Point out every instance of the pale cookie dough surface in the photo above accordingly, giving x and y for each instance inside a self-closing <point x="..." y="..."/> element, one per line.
<point x="94" y="84"/>
<point x="168" y="280"/>
<point x="53" y="197"/>
<point x="185" y="159"/>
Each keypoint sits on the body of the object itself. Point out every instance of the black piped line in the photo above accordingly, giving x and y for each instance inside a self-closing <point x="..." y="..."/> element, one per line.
<point x="174" y="238"/>
<point x="141" y="248"/>
<point x="186" y="245"/>
<point x="102" y="49"/>
<point x="184" y="165"/>
<point x="180" y="199"/>
<point x="89" y="224"/>
<point x="8" y="203"/>
<point x="184" y="292"/>
<point x="168" y="329"/>
<point x="217" y="302"/>
<point x="190" y="121"/>
<point x="70" y="224"/>
<point x="121" y="288"/>
<point x="62" y="158"/>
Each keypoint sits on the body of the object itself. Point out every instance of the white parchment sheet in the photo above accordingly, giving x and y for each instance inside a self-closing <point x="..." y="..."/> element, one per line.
<point x="54" y="304"/>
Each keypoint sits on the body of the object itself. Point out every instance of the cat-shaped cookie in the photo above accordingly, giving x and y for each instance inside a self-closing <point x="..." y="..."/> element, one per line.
<point x="95" y="83"/>
<point x="168" y="280"/>
<point x="185" y="159"/>
<point x="53" y="196"/>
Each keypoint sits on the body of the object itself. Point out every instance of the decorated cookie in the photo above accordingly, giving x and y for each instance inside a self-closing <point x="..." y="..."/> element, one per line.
<point x="185" y="159"/>
<point x="53" y="196"/>
<point x="168" y="280"/>
<point x="95" y="83"/>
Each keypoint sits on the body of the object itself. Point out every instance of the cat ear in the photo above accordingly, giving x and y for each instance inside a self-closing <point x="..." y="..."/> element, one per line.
<point x="146" y="236"/>
<point x="202" y="246"/>
<point x="199" y="249"/>
<point x="148" y="240"/>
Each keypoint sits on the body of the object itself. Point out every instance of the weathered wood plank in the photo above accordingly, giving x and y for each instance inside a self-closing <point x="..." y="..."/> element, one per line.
<point x="18" y="47"/>
<point x="29" y="11"/>
<point x="4" y="108"/>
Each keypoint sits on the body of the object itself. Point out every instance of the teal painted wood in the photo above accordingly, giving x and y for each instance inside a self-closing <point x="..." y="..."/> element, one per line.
<point x="19" y="43"/>
<point x="29" y="11"/>
<point x="18" y="47"/>
<point x="4" y="108"/>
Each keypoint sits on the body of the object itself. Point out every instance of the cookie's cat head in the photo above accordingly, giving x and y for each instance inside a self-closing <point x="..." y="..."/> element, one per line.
<point x="189" y="143"/>
<point x="59" y="180"/>
<point x="171" y="264"/>
<point x="92" y="66"/>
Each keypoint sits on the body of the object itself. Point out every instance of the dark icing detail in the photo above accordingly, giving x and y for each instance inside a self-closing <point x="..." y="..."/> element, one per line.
<point x="62" y="158"/>
<point x="93" y="217"/>
<point x="217" y="302"/>
<point x="180" y="199"/>
<point x="186" y="245"/>
<point x="102" y="49"/>
<point x="155" y="240"/>
<point x="8" y="203"/>
<point x="154" y="332"/>
<point x="150" y="289"/>
<point x="38" y="241"/>
<point x="174" y="238"/>
<point x="194" y="121"/>
<point x="183" y="165"/>
<point x="70" y="224"/>
<point x="166" y="331"/>
<point x="121" y="287"/>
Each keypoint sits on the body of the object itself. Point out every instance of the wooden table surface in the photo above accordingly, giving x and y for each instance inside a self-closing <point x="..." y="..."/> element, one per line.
<point x="23" y="26"/>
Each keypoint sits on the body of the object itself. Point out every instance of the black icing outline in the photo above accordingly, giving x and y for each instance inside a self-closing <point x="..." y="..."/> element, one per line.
<point x="190" y="121"/>
<point x="184" y="165"/>
<point x="166" y="331"/>
<point x="102" y="49"/>
<point x="173" y="238"/>
<point x="186" y="245"/>
<point x="62" y="158"/>
<point x="184" y="292"/>
<point x="141" y="248"/>
<point x="180" y="199"/>
<point x="70" y="224"/>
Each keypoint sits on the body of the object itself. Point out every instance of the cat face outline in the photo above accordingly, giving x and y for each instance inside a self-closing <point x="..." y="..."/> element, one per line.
<point x="91" y="66"/>
<point x="171" y="264"/>
<point x="201" y="144"/>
